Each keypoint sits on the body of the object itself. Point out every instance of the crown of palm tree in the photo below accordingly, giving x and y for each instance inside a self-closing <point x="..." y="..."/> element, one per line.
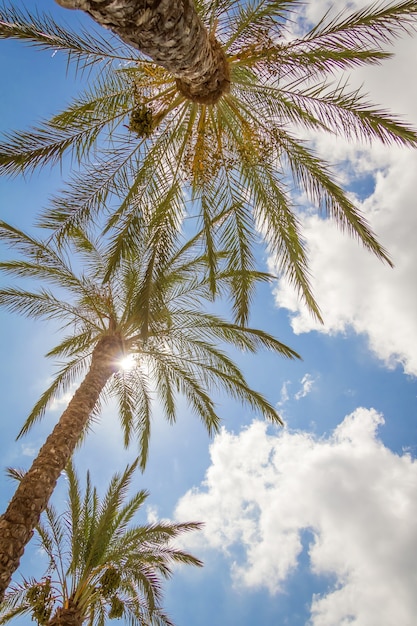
<point x="100" y="564"/>
<point x="233" y="163"/>
<point x="155" y="306"/>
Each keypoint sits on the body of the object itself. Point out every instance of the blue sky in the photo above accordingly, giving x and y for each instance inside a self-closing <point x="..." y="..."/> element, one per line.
<point x="314" y="524"/>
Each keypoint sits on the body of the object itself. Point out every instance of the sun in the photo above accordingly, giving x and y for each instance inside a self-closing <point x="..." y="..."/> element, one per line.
<point x="127" y="363"/>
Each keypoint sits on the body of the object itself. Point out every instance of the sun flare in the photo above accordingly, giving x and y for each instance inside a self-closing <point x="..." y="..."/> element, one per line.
<point x="128" y="362"/>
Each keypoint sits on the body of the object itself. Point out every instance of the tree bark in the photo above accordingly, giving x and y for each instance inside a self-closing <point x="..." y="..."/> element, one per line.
<point x="32" y="495"/>
<point x="172" y="34"/>
<point x="67" y="616"/>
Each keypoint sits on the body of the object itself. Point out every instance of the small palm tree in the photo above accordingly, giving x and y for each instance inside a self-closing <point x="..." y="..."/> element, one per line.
<point x="217" y="115"/>
<point x="151" y="309"/>
<point x="101" y="566"/>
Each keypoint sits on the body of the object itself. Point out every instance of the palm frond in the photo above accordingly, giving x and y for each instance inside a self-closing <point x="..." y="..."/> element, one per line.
<point x="53" y="538"/>
<point x="74" y="513"/>
<point x="60" y="385"/>
<point x="123" y="519"/>
<point x="33" y="305"/>
<point x="126" y="396"/>
<point x="133" y="395"/>
<point x="312" y="173"/>
<point x="254" y="19"/>
<point x="237" y="235"/>
<point x="142" y="423"/>
<point x="14" y="603"/>
<point x="379" y="22"/>
<point x="88" y="192"/>
<point x="102" y="527"/>
<point x="243" y="337"/>
<point x="41" y="260"/>
<point x="164" y="385"/>
<point x="164" y="227"/>
<point x="186" y="382"/>
<point x="348" y="113"/>
<point x="107" y="565"/>
<point x="281" y="228"/>
<point x="83" y="47"/>
<point x="75" y="130"/>
<point x="301" y="59"/>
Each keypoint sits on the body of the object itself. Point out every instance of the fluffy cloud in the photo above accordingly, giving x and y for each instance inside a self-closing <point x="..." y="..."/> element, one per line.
<point x="356" y="497"/>
<point x="354" y="290"/>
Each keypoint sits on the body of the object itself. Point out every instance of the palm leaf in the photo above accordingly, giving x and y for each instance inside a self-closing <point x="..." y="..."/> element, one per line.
<point x="62" y="382"/>
<point x="82" y="47"/>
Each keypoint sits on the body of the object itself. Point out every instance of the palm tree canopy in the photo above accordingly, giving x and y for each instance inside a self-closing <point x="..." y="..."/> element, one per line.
<point x="101" y="565"/>
<point x="144" y="145"/>
<point x="154" y="304"/>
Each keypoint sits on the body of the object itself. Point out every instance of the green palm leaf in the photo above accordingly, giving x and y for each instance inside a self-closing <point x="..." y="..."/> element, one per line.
<point x="83" y="48"/>
<point x="100" y="559"/>
<point x="149" y="152"/>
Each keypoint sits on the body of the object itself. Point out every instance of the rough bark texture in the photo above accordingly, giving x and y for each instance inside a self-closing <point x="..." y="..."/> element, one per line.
<point x="173" y="35"/>
<point x="34" y="490"/>
<point x="67" y="616"/>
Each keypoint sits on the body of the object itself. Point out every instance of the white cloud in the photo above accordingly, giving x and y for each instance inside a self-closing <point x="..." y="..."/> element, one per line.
<point x="29" y="450"/>
<point x="355" y="495"/>
<point x="152" y="514"/>
<point x="354" y="290"/>
<point x="307" y="384"/>
<point x="284" y="394"/>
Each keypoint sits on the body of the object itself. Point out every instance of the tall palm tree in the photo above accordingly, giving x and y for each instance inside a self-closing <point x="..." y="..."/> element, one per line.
<point x="151" y="309"/>
<point x="100" y="564"/>
<point x="216" y="115"/>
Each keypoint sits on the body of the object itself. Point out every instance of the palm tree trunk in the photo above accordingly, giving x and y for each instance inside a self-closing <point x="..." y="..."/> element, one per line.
<point x="173" y="35"/>
<point x="67" y="616"/>
<point x="34" y="490"/>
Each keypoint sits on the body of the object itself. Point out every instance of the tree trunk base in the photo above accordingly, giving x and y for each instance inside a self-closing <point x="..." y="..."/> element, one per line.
<point x="218" y="83"/>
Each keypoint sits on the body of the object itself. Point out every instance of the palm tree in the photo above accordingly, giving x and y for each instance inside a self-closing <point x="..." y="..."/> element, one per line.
<point x="151" y="309"/>
<point x="233" y="149"/>
<point x="100" y="565"/>
<point x="174" y="36"/>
